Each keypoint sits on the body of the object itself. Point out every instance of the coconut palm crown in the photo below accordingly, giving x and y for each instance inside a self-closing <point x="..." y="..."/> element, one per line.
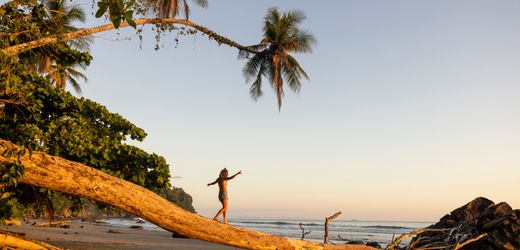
<point x="61" y="19"/>
<point x="282" y="36"/>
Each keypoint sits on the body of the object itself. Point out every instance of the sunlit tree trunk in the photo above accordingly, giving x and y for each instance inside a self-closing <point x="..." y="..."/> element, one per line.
<point x="58" y="174"/>
<point x="16" y="49"/>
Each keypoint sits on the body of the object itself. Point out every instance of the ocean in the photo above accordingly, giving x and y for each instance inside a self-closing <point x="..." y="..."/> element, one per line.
<point x="339" y="230"/>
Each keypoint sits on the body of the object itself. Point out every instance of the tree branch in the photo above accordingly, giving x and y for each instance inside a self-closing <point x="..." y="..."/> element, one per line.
<point x="460" y="245"/>
<point x="16" y="49"/>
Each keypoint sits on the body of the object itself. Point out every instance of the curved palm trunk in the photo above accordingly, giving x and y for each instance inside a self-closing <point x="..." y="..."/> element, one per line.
<point x="278" y="83"/>
<point x="58" y="174"/>
<point x="16" y="49"/>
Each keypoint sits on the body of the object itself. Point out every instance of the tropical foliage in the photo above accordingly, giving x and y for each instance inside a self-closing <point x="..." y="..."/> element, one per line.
<point x="27" y="21"/>
<point x="179" y="197"/>
<point x="77" y="129"/>
<point x="120" y="10"/>
<point x="38" y="116"/>
<point x="282" y="36"/>
<point x="60" y="20"/>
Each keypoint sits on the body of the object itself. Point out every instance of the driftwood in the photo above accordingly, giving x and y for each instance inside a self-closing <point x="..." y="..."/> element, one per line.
<point x="327" y="220"/>
<point x="9" y="222"/>
<point x="460" y="245"/>
<point x="10" y="240"/>
<point x="303" y="231"/>
<point x="54" y="224"/>
<point x="455" y="241"/>
<point x="395" y="243"/>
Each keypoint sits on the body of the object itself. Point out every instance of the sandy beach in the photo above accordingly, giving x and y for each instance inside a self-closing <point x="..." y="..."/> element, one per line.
<point x="86" y="235"/>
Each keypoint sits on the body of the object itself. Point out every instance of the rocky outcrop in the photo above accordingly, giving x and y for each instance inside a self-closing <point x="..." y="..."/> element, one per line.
<point x="478" y="225"/>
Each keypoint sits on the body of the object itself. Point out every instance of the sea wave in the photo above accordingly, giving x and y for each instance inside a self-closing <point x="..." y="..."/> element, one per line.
<point x="387" y="227"/>
<point x="279" y="223"/>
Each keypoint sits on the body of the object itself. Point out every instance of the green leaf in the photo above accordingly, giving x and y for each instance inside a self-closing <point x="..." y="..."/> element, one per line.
<point x="120" y="5"/>
<point x="101" y="11"/>
<point x="129" y="18"/>
<point x="117" y="22"/>
<point x="5" y="195"/>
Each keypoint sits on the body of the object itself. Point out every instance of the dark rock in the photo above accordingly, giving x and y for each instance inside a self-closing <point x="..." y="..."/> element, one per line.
<point x="498" y="227"/>
<point x="112" y="231"/>
<point x="373" y="244"/>
<point x="136" y="227"/>
<point x="18" y="233"/>
<point x="493" y="223"/>
<point x="177" y="235"/>
<point x="128" y="216"/>
<point x="355" y="242"/>
<point x="500" y="209"/>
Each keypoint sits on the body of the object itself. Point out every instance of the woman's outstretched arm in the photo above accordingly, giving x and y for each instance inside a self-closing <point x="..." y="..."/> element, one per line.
<point x="213" y="183"/>
<point x="239" y="172"/>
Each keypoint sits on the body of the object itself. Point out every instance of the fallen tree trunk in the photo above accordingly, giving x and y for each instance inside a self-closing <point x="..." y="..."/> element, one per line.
<point x="11" y="240"/>
<point x="58" y="174"/>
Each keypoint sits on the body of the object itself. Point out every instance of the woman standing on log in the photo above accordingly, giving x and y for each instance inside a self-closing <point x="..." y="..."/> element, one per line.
<point x="222" y="193"/>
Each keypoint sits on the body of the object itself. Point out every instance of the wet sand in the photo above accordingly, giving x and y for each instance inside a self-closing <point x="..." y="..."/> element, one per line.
<point x="86" y="235"/>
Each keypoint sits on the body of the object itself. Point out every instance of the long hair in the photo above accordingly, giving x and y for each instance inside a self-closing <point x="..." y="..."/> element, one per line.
<point x="223" y="173"/>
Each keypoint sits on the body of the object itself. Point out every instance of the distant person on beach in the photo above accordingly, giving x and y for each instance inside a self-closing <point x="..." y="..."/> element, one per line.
<point x="222" y="193"/>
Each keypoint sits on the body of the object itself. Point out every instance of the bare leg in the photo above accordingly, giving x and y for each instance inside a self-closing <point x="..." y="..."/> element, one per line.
<point x="221" y="210"/>
<point x="225" y="210"/>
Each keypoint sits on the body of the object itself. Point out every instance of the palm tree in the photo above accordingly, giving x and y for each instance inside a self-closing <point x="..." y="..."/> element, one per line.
<point x="172" y="8"/>
<point x="281" y="37"/>
<point x="60" y="75"/>
<point x="60" y="21"/>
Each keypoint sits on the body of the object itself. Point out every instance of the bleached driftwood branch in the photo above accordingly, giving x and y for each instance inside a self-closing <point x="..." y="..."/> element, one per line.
<point x="327" y="220"/>
<point x="303" y="231"/>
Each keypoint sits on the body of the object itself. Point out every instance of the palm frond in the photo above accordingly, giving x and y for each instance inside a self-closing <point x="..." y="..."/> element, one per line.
<point x="255" y="91"/>
<point x="243" y="54"/>
<point x="295" y="65"/>
<point x="253" y="66"/>
<point x="293" y="72"/>
<point x="301" y="42"/>
<point x="75" y="15"/>
<point x="75" y="85"/>
<point x="202" y="3"/>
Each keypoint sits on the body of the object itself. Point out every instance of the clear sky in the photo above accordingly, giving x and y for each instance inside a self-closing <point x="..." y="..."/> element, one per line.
<point x="412" y="109"/>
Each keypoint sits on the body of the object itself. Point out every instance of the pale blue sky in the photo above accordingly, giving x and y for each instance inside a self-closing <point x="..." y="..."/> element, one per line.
<point x="411" y="111"/>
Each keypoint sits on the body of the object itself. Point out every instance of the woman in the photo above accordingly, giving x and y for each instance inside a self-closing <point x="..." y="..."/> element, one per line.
<point x="222" y="193"/>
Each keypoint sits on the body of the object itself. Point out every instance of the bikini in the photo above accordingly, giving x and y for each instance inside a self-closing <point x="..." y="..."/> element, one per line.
<point x="222" y="195"/>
